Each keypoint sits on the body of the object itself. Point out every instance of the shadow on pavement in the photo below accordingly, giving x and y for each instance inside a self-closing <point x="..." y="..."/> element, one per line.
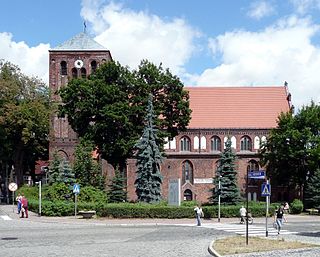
<point x="312" y="234"/>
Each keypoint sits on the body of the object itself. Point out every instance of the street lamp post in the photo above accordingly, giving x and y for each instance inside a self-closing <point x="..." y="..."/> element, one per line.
<point x="219" y="197"/>
<point x="39" y="183"/>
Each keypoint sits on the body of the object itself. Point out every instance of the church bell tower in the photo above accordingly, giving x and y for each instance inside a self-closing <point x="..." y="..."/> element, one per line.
<point x="77" y="57"/>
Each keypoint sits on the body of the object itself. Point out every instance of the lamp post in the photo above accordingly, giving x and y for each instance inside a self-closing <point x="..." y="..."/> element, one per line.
<point x="39" y="183"/>
<point x="219" y="197"/>
<point x="247" y="205"/>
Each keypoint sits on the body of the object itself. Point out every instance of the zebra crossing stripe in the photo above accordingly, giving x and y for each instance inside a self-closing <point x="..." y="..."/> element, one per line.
<point x="240" y="229"/>
<point x="5" y="217"/>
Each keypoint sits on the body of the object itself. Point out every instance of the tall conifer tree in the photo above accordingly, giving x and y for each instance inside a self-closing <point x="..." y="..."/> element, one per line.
<point x="149" y="180"/>
<point x="226" y="172"/>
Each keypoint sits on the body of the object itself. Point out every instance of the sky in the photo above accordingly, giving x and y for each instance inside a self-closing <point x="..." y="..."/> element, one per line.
<point x="205" y="42"/>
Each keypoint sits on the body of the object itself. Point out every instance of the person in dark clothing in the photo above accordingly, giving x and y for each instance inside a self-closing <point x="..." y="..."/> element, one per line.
<point x="278" y="218"/>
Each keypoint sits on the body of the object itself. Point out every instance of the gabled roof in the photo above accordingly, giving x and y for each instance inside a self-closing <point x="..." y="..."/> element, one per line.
<point x="237" y="107"/>
<point x="80" y="42"/>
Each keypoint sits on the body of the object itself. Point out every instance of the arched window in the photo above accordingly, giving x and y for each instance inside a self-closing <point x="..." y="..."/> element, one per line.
<point x="74" y="73"/>
<point x="256" y="142"/>
<point x="187" y="195"/>
<point x="245" y="144"/>
<point x="63" y="68"/>
<point x="184" y="144"/>
<point x="253" y="165"/>
<point x="83" y="72"/>
<point x="187" y="172"/>
<point x="196" y="143"/>
<point x="215" y="144"/>
<point x="93" y="66"/>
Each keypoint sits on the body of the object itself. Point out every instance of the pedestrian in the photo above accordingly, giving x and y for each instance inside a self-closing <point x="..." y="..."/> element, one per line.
<point x="286" y="208"/>
<point x="243" y="213"/>
<point x="24" y="207"/>
<point x="278" y="218"/>
<point x="199" y="213"/>
<point x="18" y="199"/>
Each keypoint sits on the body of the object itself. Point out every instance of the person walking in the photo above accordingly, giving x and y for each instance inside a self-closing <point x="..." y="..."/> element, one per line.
<point x="278" y="218"/>
<point x="199" y="213"/>
<point x="243" y="213"/>
<point x="24" y="206"/>
<point x="18" y="199"/>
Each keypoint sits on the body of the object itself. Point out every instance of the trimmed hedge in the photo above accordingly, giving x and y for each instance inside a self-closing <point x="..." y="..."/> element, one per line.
<point x="137" y="210"/>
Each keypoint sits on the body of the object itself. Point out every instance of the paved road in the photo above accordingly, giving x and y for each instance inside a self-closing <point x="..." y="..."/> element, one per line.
<point x="41" y="236"/>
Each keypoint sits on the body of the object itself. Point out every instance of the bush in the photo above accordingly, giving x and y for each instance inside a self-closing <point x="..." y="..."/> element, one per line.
<point x="29" y="192"/>
<point x="57" y="192"/>
<point x="296" y="206"/>
<point x="91" y="194"/>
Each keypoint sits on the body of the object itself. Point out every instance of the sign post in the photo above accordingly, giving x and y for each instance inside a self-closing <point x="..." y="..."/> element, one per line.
<point x="13" y="187"/>
<point x="253" y="174"/>
<point x="266" y="191"/>
<point x="76" y="191"/>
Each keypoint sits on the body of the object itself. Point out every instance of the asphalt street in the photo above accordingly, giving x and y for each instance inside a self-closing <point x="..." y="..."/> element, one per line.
<point x="70" y="236"/>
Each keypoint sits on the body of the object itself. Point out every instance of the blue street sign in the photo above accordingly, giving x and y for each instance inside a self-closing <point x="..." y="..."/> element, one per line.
<point x="76" y="188"/>
<point x="259" y="174"/>
<point x="265" y="189"/>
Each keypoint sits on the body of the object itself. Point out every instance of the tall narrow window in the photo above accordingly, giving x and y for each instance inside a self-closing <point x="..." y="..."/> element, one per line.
<point x="63" y="68"/>
<point x="253" y="165"/>
<point x="185" y="144"/>
<point x="93" y="66"/>
<point x="245" y="144"/>
<point x="215" y="144"/>
<point x="83" y="72"/>
<point x="187" y="172"/>
<point x="74" y="73"/>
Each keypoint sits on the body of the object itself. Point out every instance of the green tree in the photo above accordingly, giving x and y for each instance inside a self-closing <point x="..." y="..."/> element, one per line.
<point x="117" y="192"/>
<point x="149" y="180"/>
<point x="109" y="107"/>
<point x="227" y="174"/>
<point x="87" y="170"/>
<point x="292" y="150"/>
<point x="24" y="119"/>
<point x="312" y="191"/>
<point x="54" y="169"/>
<point x="67" y="173"/>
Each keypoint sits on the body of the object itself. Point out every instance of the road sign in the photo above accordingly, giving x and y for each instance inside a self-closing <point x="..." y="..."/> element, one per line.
<point x="265" y="189"/>
<point x="13" y="187"/>
<point x="76" y="188"/>
<point x="259" y="174"/>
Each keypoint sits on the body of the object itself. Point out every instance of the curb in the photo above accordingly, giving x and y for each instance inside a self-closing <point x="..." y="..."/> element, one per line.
<point x="212" y="251"/>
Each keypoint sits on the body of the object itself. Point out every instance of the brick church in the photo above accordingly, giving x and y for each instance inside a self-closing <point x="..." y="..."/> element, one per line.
<point x="245" y="114"/>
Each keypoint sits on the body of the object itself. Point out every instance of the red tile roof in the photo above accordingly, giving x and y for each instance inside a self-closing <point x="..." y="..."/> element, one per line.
<point x="237" y="107"/>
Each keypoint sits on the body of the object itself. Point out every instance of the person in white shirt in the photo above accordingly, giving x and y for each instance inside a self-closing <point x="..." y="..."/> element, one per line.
<point x="243" y="213"/>
<point x="199" y="214"/>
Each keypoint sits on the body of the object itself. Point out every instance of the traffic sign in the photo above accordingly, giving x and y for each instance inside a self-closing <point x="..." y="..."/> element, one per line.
<point x="76" y="188"/>
<point x="13" y="187"/>
<point x="259" y="174"/>
<point x="265" y="189"/>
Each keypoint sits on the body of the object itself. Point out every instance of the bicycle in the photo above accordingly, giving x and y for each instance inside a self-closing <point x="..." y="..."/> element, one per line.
<point x="249" y="220"/>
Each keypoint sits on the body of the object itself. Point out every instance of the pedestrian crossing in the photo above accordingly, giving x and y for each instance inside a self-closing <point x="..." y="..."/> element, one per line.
<point x="240" y="229"/>
<point x="5" y="217"/>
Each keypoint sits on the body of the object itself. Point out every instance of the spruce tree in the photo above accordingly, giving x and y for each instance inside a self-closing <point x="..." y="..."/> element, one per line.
<point x="149" y="180"/>
<point x="312" y="191"/>
<point x="226" y="172"/>
<point x="67" y="175"/>
<point x="117" y="192"/>
<point x="54" y="169"/>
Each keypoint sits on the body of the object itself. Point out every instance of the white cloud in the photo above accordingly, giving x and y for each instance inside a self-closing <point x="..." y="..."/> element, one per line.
<point x="280" y="52"/>
<point x="132" y="36"/>
<point x="260" y="9"/>
<point x="33" y="61"/>
<point x="303" y="6"/>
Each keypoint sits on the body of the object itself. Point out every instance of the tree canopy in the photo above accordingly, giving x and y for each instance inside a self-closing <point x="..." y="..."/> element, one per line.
<point x="292" y="150"/>
<point x="109" y="107"/>
<point x="24" y="119"/>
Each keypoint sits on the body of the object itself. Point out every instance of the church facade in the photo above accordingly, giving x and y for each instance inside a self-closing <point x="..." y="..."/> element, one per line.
<point x="245" y="114"/>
